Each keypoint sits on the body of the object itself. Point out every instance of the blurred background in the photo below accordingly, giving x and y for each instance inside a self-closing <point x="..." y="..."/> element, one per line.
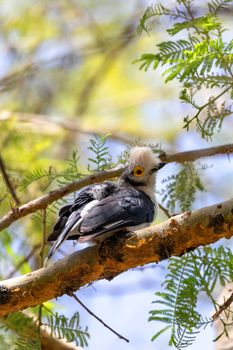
<point x="67" y="73"/>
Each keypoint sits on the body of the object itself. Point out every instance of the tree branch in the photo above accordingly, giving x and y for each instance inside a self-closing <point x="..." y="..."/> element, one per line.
<point x="70" y="125"/>
<point x="223" y="307"/>
<point x="47" y="341"/>
<point x="43" y="201"/>
<point x="117" y="254"/>
<point x="8" y="182"/>
<point x="96" y="317"/>
<point x="190" y="156"/>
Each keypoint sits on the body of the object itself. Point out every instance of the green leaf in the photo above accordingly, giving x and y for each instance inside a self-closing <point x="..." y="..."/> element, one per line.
<point x="62" y="327"/>
<point x="163" y="330"/>
<point x="102" y="159"/>
<point x="195" y="272"/>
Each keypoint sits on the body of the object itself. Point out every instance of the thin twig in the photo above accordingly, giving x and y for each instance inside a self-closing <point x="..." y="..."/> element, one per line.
<point x="43" y="201"/>
<point x="69" y="125"/>
<point x="165" y="210"/>
<point x="24" y="260"/>
<point x="71" y="293"/>
<point x="211" y="101"/>
<point x="8" y="181"/>
<point x="223" y="307"/>
<point x="88" y="265"/>
<point x="26" y="71"/>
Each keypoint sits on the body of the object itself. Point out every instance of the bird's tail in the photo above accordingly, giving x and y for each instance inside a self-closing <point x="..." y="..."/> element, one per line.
<point x="62" y="237"/>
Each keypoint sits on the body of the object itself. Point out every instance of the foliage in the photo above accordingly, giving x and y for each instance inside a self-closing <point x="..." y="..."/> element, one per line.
<point x="62" y="327"/>
<point x="201" y="61"/>
<point x="101" y="157"/>
<point x="70" y="173"/>
<point x="27" y="332"/>
<point x="5" y="341"/>
<point x="24" y="326"/>
<point x="46" y="78"/>
<point x="180" y="189"/>
<point x="189" y="276"/>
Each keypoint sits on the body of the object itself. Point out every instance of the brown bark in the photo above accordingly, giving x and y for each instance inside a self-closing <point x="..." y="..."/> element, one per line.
<point x="50" y="343"/>
<point x="190" y="156"/>
<point x="115" y="255"/>
<point x="43" y="201"/>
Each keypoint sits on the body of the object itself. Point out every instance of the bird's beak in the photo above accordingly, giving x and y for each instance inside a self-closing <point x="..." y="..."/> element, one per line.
<point x="161" y="165"/>
<point x="158" y="167"/>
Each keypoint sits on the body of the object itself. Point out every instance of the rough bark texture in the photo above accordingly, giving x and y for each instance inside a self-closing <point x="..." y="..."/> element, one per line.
<point x="43" y="201"/>
<point x="117" y="254"/>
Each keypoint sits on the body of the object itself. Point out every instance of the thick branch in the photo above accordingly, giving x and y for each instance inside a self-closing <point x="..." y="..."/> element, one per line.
<point x="115" y="255"/>
<point x="193" y="155"/>
<point x="43" y="201"/>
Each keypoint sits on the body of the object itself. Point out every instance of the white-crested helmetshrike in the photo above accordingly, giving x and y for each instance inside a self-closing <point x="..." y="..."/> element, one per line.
<point x="108" y="207"/>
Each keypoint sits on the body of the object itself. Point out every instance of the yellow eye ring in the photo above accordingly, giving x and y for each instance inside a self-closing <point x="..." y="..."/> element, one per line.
<point x="138" y="171"/>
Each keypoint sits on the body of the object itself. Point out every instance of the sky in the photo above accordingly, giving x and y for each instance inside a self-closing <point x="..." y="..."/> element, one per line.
<point x="145" y="101"/>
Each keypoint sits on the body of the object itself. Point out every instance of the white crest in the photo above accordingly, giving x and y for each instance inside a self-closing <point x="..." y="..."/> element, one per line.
<point x="143" y="156"/>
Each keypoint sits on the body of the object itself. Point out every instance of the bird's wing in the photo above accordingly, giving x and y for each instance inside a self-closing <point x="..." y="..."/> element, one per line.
<point x="70" y="216"/>
<point x="85" y="196"/>
<point x="127" y="207"/>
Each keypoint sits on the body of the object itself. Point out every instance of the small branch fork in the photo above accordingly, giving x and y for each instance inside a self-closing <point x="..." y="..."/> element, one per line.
<point x="165" y="211"/>
<point x="71" y="293"/>
<point x="43" y="201"/>
<point x="223" y="307"/>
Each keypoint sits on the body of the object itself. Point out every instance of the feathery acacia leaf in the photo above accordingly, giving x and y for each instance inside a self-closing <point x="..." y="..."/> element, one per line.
<point x="101" y="157"/>
<point x="176" y="305"/>
<point x="180" y="189"/>
<point x="70" y="329"/>
<point x="196" y="61"/>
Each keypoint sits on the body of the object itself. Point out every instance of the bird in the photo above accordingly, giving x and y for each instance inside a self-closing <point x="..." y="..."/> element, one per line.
<point x="103" y="209"/>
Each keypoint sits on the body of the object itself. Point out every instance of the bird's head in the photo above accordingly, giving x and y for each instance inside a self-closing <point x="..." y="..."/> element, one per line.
<point x="142" y="167"/>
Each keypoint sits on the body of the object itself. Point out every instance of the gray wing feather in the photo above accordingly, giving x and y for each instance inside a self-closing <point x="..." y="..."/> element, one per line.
<point x="76" y="220"/>
<point x="85" y="196"/>
<point x="70" y="216"/>
<point x="128" y="207"/>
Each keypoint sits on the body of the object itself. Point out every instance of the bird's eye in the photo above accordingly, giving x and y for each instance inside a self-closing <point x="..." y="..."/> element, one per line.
<point x="138" y="171"/>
